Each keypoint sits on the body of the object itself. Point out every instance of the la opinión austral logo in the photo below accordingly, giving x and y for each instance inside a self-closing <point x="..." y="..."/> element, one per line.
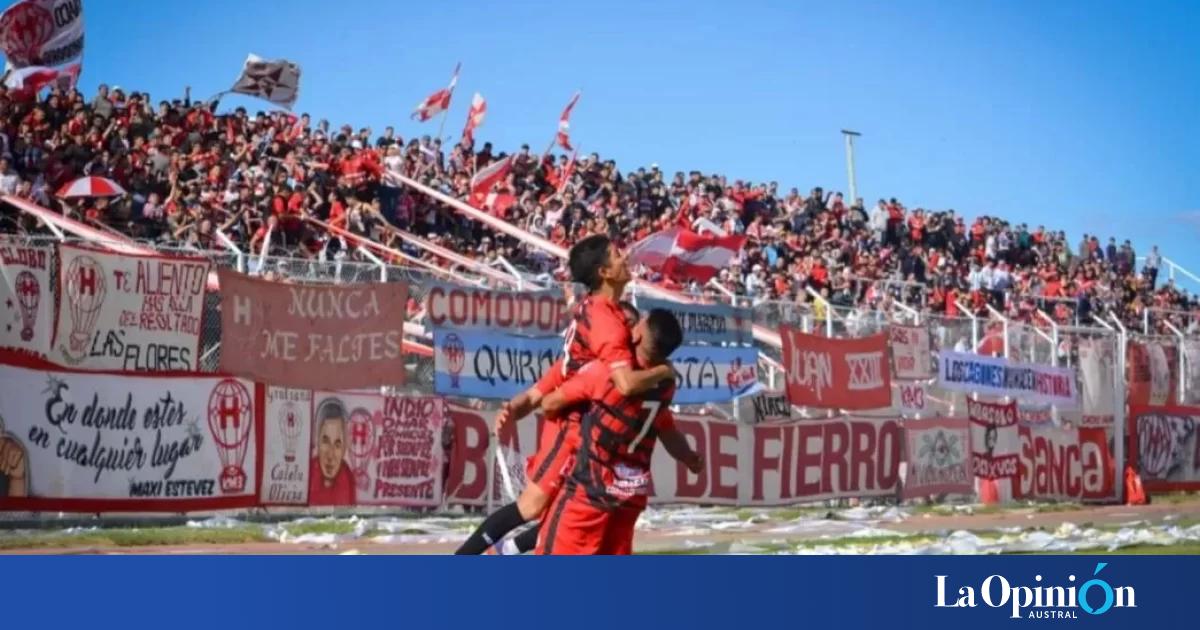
<point x="1039" y="600"/>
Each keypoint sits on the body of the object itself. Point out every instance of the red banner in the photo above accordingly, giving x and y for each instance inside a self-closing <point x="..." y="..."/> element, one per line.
<point x="836" y="373"/>
<point x="309" y="336"/>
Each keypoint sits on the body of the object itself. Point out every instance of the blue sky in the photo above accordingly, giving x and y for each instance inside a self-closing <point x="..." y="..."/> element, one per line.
<point x="1083" y="116"/>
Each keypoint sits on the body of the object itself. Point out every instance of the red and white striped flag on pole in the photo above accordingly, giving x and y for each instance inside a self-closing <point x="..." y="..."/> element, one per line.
<point x="564" y="125"/>
<point x="474" y="117"/>
<point x="437" y="102"/>
<point x="487" y="177"/>
<point x="684" y="255"/>
<point x="567" y="172"/>
<point x="26" y="82"/>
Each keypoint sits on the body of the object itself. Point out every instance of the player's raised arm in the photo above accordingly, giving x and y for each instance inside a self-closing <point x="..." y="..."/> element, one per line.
<point x="577" y="389"/>
<point x="524" y="403"/>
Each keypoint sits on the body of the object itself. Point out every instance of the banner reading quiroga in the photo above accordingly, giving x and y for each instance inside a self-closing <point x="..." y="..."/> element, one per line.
<point x="26" y="298"/>
<point x="312" y="336"/>
<point x="129" y="312"/>
<point x="99" y="442"/>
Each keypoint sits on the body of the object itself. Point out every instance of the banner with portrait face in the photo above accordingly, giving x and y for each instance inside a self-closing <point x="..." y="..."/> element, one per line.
<point x="368" y="449"/>
<point x="995" y="442"/>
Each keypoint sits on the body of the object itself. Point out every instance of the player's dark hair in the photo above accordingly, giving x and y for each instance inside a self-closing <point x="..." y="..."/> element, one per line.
<point x="665" y="333"/>
<point x="586" y="259"/>
<point x="631" y="312"/>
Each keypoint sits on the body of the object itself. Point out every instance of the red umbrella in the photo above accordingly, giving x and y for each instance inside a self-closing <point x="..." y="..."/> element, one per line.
<point x="91" y="187"/>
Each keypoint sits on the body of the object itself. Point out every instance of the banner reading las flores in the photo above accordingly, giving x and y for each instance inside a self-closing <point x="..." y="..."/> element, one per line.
<point x="99" y="442"/>
<point x="836" y="373"/>
<point x="26" y="297"/>
<point x="129" y="312"/>
<point x="312" y="336"/>
<point x="995" y="376"/>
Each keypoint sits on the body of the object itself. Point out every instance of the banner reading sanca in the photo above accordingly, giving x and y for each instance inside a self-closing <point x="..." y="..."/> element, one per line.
<point x="102" y="442"/>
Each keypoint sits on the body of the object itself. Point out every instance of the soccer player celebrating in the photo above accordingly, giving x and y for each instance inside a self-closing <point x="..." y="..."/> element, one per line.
<point x="607" y="489"/>
<point x="598" y="332"/>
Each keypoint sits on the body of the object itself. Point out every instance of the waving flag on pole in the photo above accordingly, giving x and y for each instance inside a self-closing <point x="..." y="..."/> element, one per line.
<point x="42" y="33"/>
<point x="474" y="117"/>
<point x="567" y="172"/>
<point x="437" y="102"/>
<point x="564" y="125"/>
<point x="273" y="80"/>
<point x="25" y="83"/>
<point x="487" y="177"/>
<point x="685" y="255"/>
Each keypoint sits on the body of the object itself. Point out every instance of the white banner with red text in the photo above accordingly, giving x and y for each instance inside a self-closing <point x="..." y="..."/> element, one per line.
<point x="129" y="312"/>
<point x="26" y="297"/>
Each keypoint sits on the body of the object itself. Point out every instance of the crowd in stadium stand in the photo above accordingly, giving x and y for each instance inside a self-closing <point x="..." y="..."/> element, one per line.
<point x="190" y="172"/>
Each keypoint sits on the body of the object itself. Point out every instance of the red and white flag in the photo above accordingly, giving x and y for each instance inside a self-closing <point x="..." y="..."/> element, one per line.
<point x="684" y="255"/>
<point x="487" y="178"/>
<point x="437" y="102"/>
<point x="564" y="125"/>
<point x="567" y="172"/>
<point x="26" y="82"/>
<point x="474" y="117"/>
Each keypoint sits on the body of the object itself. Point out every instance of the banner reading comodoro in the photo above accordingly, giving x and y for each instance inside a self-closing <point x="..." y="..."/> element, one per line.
<point x="312" y="336"/>
<point x="836" y="373"/>
<point x="530" y="313"/>
<point x="761" y="465"/>
<point x="26" y="297"/>
<point x="86" y="441"/>
<point x="995" y="376"/>
<point x="129" y="312"/>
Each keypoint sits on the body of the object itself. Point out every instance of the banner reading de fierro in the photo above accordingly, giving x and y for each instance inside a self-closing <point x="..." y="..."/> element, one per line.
<point x="128" y="312"/>
<point x="996" y="376"/>
<point x="312" y="336"/>
<point x="836" y="373"/>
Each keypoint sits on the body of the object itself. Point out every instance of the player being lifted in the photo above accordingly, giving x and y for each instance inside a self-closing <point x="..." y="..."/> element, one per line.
<point x="606" y="491"/>
<point x="598" y="331"/>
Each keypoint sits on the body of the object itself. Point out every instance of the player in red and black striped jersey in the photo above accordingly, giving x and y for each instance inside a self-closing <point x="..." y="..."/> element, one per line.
<point x="598" y="332"/>
<point x="609" y="484"/>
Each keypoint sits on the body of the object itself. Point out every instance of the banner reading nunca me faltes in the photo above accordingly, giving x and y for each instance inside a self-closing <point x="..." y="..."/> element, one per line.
<point x="312" y="336"/>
